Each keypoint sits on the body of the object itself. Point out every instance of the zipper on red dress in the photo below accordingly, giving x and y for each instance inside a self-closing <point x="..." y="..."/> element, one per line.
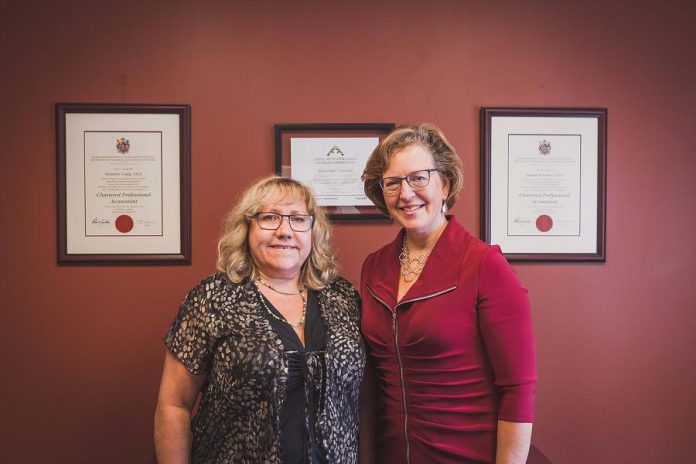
<point x="395" y="329"/>
<point x="424" y="297"/>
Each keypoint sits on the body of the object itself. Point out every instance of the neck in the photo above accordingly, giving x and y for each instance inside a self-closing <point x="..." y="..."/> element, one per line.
<point x="424" y="241"/>
<point x="283" y="283"/>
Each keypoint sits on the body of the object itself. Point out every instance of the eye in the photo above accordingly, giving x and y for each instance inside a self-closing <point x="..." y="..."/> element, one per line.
<point x="417" y="177"/>
<point x="391" y="181"/>
<point x="299" y="220"/>
<point x="268" y="217"/>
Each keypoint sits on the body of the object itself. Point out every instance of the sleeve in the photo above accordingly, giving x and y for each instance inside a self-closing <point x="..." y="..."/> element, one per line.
<point x="506" y="326"/>
<point x="352" y="296"/>
<point x="355" y="296"/>
<point x="191" y="337"/>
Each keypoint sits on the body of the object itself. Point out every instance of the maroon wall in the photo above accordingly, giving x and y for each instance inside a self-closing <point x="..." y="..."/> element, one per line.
<point x="81" y="346"/>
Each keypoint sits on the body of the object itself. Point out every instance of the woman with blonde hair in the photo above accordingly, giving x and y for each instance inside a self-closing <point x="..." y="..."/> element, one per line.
<point x="271" y="342"/>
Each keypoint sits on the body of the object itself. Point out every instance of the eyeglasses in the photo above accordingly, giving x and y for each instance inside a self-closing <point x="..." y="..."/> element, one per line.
<point x="416" y="180"/>
<point x="271" y="221"/>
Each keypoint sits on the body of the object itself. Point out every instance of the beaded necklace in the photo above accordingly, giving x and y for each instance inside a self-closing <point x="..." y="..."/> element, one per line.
<point x="299" y="323"/>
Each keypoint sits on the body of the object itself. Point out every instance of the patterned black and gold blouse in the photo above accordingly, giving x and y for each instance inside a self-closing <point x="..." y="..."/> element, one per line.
<point x="306" y="367"/>
<point x="222" y="330"/>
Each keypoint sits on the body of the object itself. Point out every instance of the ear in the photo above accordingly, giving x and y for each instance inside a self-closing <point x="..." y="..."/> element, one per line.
<point x="445" y="186"/>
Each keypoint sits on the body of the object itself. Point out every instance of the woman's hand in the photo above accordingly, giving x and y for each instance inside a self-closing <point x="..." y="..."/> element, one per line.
<point x="177" y="396"/>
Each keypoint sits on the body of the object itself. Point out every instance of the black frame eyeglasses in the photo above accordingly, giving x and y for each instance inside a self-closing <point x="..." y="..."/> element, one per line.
<point x="417" y="180"/>
<point x="268" y="220"/>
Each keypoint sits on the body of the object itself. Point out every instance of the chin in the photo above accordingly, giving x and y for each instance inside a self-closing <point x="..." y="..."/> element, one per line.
<point x="420" y="224"/>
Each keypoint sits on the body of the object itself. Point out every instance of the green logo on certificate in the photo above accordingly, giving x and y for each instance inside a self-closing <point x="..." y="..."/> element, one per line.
<point x="335" y="151"/>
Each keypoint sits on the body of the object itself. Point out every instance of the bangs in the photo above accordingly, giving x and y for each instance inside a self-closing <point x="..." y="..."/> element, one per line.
<point x="280" y="191"/>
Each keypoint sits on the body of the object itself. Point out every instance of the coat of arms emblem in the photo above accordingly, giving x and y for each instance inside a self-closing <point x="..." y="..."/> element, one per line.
<point x="122" y="145"/>
<point x="544" y="147"/>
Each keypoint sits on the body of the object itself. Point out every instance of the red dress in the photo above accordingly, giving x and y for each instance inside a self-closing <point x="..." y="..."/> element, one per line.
<point x="453" y="357"/>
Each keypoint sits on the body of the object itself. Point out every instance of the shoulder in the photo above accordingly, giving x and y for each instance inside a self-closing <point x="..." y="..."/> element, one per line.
<point x="474" y="249"/>
<point x="340" y="288"/>
<point x="492" y="258"/>
<point x="496" y="274"/>
<point x="459" y="252"/>
<point x="214" y="281"/>
<point x="481" y="248"/>
<point x="340" y="297"/>
<point x="480" y="256"/>
<point x="373" y="258"/>
<point x="216" y="288"/>
<point x="455" y="236"/>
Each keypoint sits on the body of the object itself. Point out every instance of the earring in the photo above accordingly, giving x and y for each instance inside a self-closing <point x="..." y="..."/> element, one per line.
<point x="444" y="207"/>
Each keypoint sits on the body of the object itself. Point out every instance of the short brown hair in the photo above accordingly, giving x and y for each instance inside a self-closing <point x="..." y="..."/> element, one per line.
<point x="234" y="256"/>
<point x="430" y="137"/>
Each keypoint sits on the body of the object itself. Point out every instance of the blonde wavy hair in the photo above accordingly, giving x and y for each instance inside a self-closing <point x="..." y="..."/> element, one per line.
<point x="234" y="256"/>
<point x="425" y="134"/>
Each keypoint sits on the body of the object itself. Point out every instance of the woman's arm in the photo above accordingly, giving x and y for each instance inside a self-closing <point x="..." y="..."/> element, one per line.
<point x="177" y="396"/>
<point x="513" y="442"/>
<point x="506" y="326"/>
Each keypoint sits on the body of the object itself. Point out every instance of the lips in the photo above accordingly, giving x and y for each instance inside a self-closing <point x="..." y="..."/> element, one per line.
<point x="283" y="247"/>
<point x="410" y="208"/>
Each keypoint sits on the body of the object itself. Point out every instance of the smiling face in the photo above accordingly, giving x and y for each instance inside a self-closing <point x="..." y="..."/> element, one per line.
<point x="417" y="211"/>
<point x="280" y="253"/>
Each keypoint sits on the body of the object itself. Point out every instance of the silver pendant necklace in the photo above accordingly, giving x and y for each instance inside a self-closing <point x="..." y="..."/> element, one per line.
<point x="411" y="267"/>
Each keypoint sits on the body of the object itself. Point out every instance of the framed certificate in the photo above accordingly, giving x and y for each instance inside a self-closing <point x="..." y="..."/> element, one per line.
<point x="543" y="188"/>
<point x="123" y="183"/>
<point x="330" y="159"/>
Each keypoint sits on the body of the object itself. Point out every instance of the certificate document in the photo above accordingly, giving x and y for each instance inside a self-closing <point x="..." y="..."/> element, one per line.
<point x="544" y="184"/>
<point x="332" y="167"/>
<point x="123" y="183"/>
<point x="544" y="187"/>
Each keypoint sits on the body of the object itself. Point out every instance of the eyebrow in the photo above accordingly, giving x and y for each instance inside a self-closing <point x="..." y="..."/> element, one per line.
<point x="408" y="173"/>
<point x="277" y="211"/>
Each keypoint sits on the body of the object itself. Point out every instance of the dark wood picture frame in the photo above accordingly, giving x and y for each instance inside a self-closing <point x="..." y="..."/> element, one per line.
<point x="283" y="133"/>
<point x="596" y="212"/>
<point x="182" y="256"/>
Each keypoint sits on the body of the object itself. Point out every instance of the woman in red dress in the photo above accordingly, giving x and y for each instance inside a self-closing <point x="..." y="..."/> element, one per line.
<point x="446" y="320"/>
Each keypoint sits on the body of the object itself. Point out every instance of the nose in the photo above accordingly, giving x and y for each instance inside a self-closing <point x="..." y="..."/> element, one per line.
<point x="284" y="229"/>
<point x="406" y="191"/>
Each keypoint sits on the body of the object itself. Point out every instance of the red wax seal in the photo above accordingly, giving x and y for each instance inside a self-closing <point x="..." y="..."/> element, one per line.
<point x="544" y="223"/>
<point x="124" y="223"/>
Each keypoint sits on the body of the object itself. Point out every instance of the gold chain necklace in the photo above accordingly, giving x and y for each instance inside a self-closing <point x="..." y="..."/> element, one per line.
<point x="299" y="323"/>
<point x="411" y="267"/>
<point x="268" y="285"/>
